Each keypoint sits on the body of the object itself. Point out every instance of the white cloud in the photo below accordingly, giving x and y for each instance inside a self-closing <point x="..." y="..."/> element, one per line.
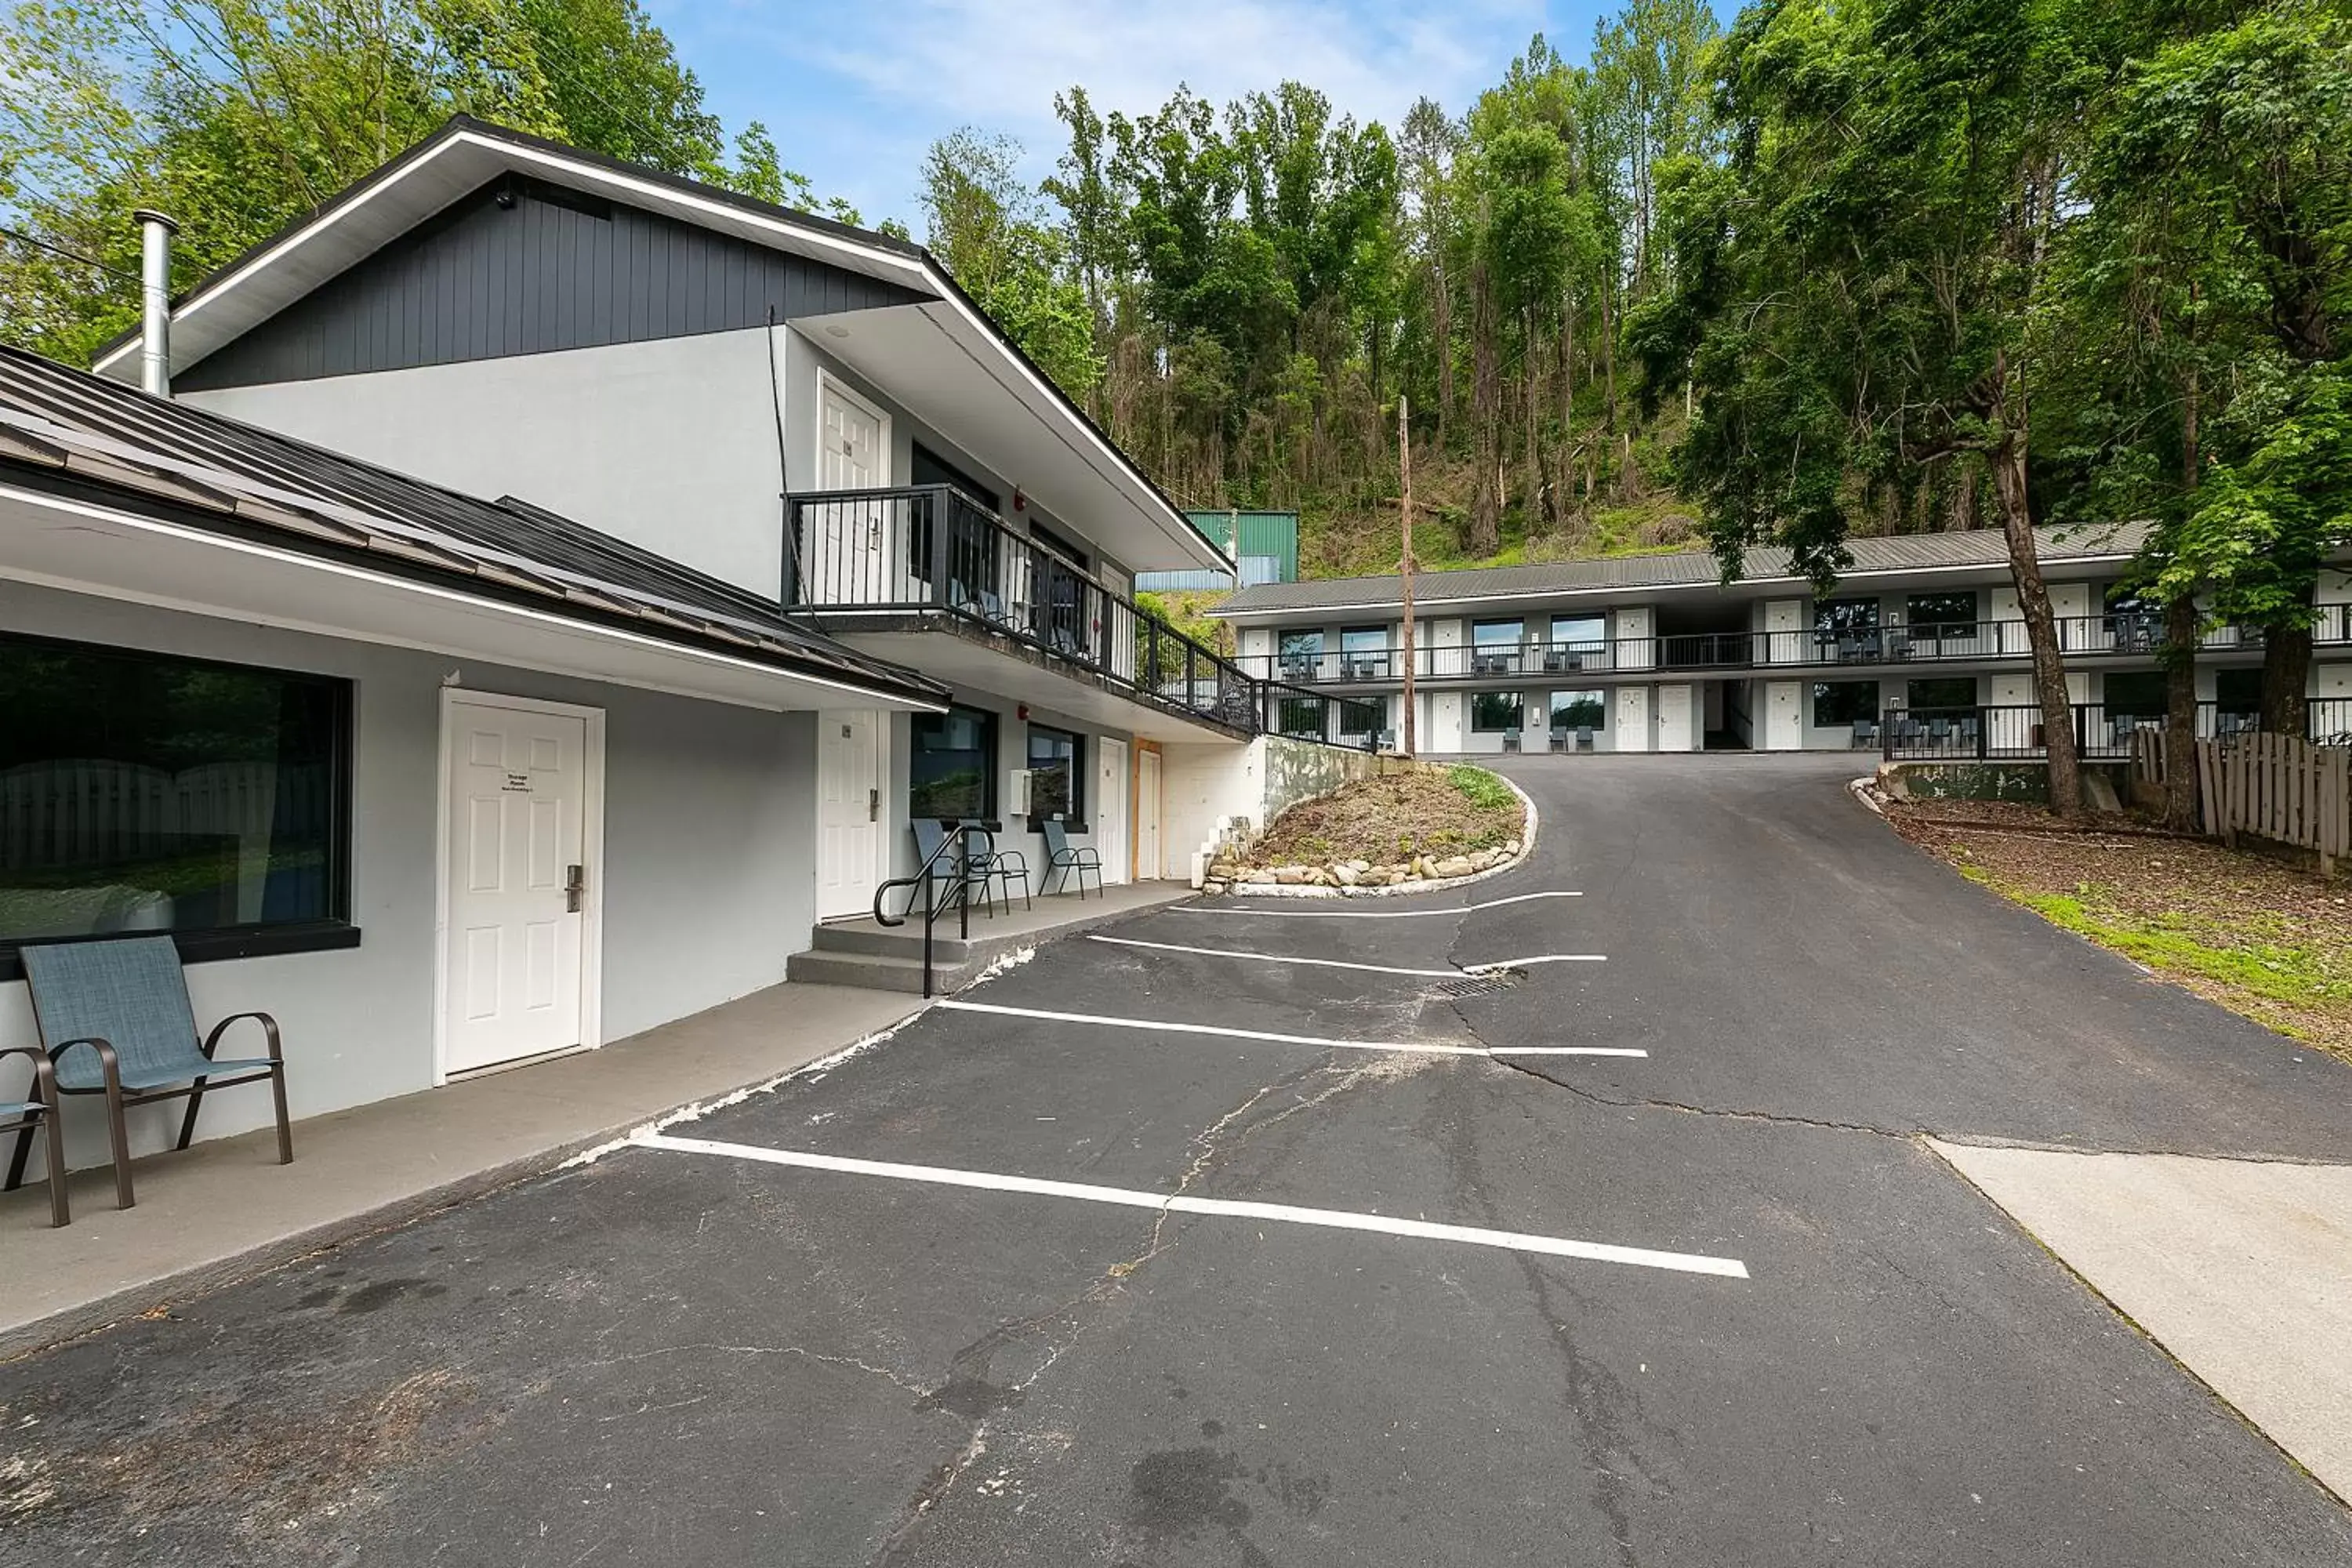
<point x="857" y="92"/>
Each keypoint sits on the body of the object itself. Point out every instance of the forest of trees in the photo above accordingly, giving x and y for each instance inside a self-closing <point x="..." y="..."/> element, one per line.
<point x="1840" y="267"/>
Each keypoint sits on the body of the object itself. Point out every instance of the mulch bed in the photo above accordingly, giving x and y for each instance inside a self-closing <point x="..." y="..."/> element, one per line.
<point x="1387" y="819"/>
<point x="2255" y="932"/>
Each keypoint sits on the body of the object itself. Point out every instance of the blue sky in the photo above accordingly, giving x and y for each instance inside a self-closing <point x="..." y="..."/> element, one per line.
<point x="856" y="90"/>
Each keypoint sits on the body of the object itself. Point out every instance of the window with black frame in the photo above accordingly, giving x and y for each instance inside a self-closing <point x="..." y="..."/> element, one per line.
<point x="2238" y="695"/>
<point x="1941" y="615"/>
<point x="1840" y="704"/>
<point x="1577" y="709"/>
<point x="1492" y="712"/>
<point x="1056" y="782"/>
<point x="1301" y="655"/>
<point x="139" y="792"/>
<point x="1363" y="653"/>
<point x="1848" y="628"/>
<point x="973" y="549"/>
<point x="952" y="773"/>
<point x="2134" y="623"/>
<point x="1948" y="695"/>
<point x="1301" y="718"/>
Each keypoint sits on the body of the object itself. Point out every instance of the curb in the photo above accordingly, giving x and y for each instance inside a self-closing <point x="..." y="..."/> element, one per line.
<point x="1534" y="824"/>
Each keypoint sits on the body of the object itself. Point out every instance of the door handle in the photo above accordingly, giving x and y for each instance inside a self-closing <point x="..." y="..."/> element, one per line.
<point x="873" y="805"/>
<point x="575" y="890"/>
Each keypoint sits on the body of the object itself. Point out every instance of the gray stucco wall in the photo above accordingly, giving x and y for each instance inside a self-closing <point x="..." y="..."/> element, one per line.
<point x="670" y="445"/>
<point x="709" y="831"/>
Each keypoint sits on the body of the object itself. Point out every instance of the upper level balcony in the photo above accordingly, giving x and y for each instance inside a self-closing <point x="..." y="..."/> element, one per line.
<point x="873" y="566"/>
<point x="2116" y="634"/>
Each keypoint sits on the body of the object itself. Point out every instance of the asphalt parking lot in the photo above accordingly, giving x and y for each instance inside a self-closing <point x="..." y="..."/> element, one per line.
<point x="1447" y="1278"/>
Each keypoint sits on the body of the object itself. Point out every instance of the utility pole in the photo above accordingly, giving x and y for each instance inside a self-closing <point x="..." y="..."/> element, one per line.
<point x="1404" y="559"/>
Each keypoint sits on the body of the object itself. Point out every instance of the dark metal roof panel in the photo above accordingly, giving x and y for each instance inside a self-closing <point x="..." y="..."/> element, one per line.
<point x="243" y="472"/>
<point x="1688" y="568"/>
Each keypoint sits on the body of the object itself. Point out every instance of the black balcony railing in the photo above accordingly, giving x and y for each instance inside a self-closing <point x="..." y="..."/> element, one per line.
<point x="2016" y="729"/>
<point x="930" y="550"/>
<point x="1809" y="648"/>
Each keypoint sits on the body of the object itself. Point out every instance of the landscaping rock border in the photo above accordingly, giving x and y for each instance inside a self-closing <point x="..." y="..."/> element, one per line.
<point x="1518" y="850"/>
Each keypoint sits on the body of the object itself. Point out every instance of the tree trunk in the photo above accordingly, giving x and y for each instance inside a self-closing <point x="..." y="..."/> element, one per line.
<point x="1608" y="352"/>
<point x="2181" y="714"/>
<point x="1485" y="418"/>
<point x="2041" y="626"/>
<point x="2286" y="671"/>
<point x="1442" y="329"/>
<point x="2181" y="658"/>
<point x="1535" y="406"/>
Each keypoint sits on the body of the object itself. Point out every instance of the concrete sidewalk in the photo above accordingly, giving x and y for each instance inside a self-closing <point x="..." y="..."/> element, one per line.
<point x="227" y="1210"/>
<point x="2242" y="1269"/>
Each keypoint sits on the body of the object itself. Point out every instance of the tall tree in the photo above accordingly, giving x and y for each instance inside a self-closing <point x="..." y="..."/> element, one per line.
<point x="990" y="229"/>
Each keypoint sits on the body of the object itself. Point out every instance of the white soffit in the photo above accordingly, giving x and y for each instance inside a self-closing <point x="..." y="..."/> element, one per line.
<point x="89" y="549"/>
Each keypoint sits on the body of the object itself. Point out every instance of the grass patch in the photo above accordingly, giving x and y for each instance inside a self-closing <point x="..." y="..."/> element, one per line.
<point x="2247" y="932"/>
<point x="1482" y="789"/>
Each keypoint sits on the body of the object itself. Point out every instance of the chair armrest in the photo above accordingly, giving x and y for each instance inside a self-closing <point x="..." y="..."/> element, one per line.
<point x="1010" y="860"/>
<point x="45" y="1071"/>
<point x="268" y="1026"/>
<point x="108" y="1061"/>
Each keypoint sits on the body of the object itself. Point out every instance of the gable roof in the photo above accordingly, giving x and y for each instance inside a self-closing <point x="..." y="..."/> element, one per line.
<point x="250" y="482"/>
<point x="1983" y="547"/>
<point x="467" y="153"/>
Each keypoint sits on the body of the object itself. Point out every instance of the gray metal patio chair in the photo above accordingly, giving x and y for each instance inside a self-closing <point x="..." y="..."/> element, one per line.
<point x="26" y="1117"/>
<point x="1560" y="740"/>
<point x="1510" y="740"/>
<point x="1866" y="734"/>
<point x="1076" y="861"/>
<point x="114" y="1017"/>
<point x="1584" y="737"/>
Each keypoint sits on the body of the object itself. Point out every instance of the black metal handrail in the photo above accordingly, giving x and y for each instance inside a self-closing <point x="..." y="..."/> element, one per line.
<point x="933" y="549"/>
<point x="924" y="885"/>
<point x="2116" y="633"/>
<point x="1993" y="731"/>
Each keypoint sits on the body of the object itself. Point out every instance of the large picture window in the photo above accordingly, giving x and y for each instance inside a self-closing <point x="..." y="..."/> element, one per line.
<point x="140" y="792"/>
<point x="1492" y="712"/>
<point x="1837" y="703"/>
<point x="1941" y="614"/>
<point x="1943" y="695"/>
<point x="953" y="775"/>
<point x="1577" y="709"/>
<point x="1056" y="782"/>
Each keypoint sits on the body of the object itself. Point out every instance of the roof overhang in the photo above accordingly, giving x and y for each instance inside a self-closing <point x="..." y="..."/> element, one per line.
<point x="939" y="359"/>
<point x="966" y="665"/>
<point x="1779" y="586"/>
<point x="119" y="552"/>
<point x="467" y="155"/>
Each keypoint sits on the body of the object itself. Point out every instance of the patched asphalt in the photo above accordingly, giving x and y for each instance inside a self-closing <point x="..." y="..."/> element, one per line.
<point x="690" y="1358"/>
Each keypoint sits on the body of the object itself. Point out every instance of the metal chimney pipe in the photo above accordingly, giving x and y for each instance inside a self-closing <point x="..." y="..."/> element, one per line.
<point x="155" y="300"/>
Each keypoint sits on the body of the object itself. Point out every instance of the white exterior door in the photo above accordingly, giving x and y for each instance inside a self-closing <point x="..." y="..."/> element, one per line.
<point x="851" y="556"/>
<point x="1110" y="808"/>
<point x="517" y="789"/>
<point x="852" y="854"/>
<point x="1149" y="866"/>
<point x="1675" y="718"/>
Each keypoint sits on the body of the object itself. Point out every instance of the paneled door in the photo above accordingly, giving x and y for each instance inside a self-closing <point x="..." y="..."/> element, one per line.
<point x="1149" y="866"/>
<point x="852" y="849"/>
<point x="1110" y="808"/>
<point x="516" y="881"/>
<point x="854" y="554"/>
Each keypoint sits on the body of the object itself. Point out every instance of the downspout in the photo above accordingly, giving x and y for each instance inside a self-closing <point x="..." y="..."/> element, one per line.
<point x="155" y="301"/>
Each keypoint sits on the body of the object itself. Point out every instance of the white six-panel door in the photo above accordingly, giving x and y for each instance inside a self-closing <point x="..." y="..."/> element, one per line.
<point x="1110" y="808"/>
<point x="517" y="786"/>
<point x="1148" y="865"/>
<point x="852" y="849"/>
<point x="852" y="558"/>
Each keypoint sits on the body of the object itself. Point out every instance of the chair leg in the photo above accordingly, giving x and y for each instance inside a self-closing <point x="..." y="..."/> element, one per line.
<point x="285" y="1126"/>
<point x="188" y="1122"/>
<point x="119" y="1134"/>
<point x="59" y="1214"/>
<point x="17" y="1161"/>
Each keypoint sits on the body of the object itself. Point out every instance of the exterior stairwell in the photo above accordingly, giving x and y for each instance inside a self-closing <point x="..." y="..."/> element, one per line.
<point x="890" y="958"/>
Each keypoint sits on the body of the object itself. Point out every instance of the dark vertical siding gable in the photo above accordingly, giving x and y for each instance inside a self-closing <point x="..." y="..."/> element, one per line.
<point x="550" y="270"/>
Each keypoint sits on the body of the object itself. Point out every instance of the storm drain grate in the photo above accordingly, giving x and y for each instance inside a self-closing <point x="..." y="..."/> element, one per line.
<point x="1479" y="984"/>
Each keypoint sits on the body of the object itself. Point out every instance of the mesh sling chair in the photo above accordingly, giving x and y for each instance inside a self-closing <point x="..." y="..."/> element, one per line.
<point x="1079" y="860"/>
<point x="26" y="1117"/>
<point x="114" y="1017"/>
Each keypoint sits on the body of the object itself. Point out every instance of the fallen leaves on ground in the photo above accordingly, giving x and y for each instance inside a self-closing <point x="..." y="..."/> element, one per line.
<point x="2246" y="929"/>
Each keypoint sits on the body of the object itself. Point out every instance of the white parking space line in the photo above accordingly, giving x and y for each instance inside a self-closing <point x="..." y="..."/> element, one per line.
<point x="1274" y="958"/>
<point x="1290" y="1214"/>
<point x="1168" y="1027"/>
<point x="1363" y="914"/>
<point x="1342" y="963"/>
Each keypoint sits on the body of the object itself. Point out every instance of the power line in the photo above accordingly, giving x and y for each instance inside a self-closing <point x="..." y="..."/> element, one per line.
<point x="38" y="244"/>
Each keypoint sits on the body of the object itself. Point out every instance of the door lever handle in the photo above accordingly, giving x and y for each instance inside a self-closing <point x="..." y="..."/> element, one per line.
<point x="873" y="805"/>
<point x="575" y="890"/>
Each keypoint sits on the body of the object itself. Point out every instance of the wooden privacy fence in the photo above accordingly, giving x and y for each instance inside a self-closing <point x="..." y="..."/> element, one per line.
<point x="2277" y="787"/>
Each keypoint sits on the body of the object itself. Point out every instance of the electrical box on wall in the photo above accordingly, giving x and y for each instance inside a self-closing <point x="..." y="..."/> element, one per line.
<point x="1016" y="794"/>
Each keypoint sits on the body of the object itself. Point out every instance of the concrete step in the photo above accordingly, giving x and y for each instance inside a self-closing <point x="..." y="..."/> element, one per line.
<point x="874" y="971"/>
<point x="892" y="941"/>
